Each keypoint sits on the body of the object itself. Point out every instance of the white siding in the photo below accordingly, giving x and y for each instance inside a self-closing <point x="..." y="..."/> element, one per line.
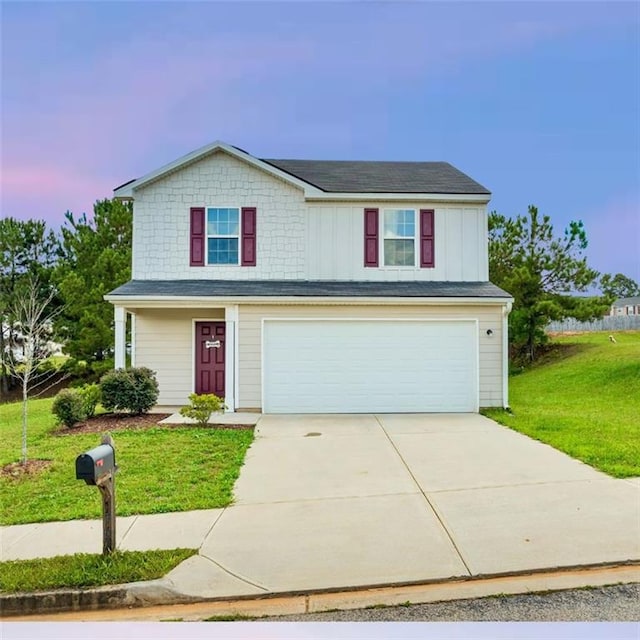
<point x="295" y="239"/>
<point x="250" y="339"/>
<point x="335" y="243"/>
<point x="161" y="221"/>
<point x="164" y="343"/>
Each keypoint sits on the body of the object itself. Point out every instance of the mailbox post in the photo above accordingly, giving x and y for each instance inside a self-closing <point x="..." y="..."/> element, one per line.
<point x="98" y="467"/>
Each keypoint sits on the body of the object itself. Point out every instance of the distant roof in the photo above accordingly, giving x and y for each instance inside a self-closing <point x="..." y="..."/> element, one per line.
<point x="319" y="177"/>
<point x="623" y="302"/>
<point x="361" y="176"/>
<point x="309" y="288"/>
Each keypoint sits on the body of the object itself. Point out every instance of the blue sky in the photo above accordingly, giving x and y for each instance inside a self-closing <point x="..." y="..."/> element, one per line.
<point x="540" y="102"/>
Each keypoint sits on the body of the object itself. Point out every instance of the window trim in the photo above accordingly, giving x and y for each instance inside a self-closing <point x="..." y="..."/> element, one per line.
<point x="207" y="236"/>
<point x="416" y="235"/>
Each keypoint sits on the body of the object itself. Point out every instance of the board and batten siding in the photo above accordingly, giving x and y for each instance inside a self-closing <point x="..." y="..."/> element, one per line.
<point x="295" y="239"/>
<point x="250" y="339"/>
<point x="164" y="343"/>
<point x="335" y="243"/>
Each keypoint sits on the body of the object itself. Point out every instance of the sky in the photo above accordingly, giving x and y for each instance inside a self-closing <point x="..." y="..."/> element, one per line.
<point x="539" y="102"/>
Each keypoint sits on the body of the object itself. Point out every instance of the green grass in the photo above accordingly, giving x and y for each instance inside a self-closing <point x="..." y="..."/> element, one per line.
<point x="161" y="470"/>
<point x="88" y="569"/>
<point x="584" y="399"/>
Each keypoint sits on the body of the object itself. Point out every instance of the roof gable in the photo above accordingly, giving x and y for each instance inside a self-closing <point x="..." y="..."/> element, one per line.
<point x="127" y="189"/>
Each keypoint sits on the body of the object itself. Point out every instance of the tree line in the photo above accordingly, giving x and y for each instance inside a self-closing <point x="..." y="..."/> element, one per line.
<point x="89" y="256"/>
<point x="70" y="269"/>
<point x="544" y="272"/>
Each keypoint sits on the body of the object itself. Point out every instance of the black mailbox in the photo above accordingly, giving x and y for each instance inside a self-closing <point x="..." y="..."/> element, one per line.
<point x="96" y="464"/>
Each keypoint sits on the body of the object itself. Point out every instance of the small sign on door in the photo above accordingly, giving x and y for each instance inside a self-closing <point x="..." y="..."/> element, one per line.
<point x="212" y="344"/>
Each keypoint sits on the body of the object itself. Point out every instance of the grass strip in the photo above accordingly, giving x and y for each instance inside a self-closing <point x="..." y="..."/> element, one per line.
<point x="160" y="470"/>
<point x="88" y="569"/>
<point x="583" y="398"/>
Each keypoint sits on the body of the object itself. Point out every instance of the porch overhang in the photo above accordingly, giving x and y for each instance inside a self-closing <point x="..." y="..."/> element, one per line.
<point x="222" y="293"/>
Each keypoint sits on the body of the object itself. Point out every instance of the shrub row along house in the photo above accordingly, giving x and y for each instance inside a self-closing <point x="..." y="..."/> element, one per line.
<point x="304" y="286"/>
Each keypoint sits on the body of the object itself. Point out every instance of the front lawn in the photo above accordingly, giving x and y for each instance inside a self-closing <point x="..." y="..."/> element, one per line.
<point x="160" y="469"/>
<point x="88" y="569"/>
<point x="584" y="399"/>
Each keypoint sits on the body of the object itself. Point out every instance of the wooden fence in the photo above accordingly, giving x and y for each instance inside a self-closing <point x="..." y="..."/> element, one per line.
<point x="608" y="323"/>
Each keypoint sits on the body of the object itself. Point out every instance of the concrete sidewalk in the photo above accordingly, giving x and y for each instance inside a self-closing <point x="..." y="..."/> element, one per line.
<point x="340" y="502"/>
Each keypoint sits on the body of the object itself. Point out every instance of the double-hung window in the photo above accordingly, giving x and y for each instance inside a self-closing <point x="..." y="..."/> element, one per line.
<point x="399" y="238"/>
<point x="223" y="235"/>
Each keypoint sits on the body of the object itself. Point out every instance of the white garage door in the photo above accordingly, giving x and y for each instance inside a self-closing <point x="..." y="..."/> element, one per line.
<point x="364" y="366"/>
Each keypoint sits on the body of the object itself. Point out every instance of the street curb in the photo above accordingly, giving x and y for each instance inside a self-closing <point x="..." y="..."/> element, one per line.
<point x="133" y="594"/>
<point x="112" y="600"/>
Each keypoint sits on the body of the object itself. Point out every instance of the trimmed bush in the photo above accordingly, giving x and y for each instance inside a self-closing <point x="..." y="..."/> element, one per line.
<point x="202" y="406"/>
<point x="90" y="395"/>
<point x="134" y="390"/>
<point x="68" y="408"/>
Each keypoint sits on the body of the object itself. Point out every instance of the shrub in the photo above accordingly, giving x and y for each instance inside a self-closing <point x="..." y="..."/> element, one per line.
<point x="202" y="406"/>
<point x="68" y="407"/>
<point x="98" y="368"/>
<point x="49" y="365"/>
<point x="84" y="372"/>
<point x="91" y="396"/>
<point x="134" y="390"/>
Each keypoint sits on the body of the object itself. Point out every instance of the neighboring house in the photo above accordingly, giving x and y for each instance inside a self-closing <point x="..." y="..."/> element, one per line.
<point x="626" y="307"/>
<point x="17" y="347"/>
<point x="303" y="286"/>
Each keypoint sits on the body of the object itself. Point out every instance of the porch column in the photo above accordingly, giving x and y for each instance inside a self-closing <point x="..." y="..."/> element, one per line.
<point x="230" y="353"/>
<point x="132" y="358"/>
<point x="505" y="354"/>
<point x="120" y="351"/>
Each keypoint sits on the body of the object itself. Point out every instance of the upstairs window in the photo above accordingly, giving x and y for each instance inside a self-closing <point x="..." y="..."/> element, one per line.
<point x="223" y="234"/>
<point x="399" y="238"/>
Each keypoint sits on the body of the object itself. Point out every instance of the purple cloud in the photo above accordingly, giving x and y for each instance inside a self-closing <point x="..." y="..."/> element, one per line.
<point x="128" y="87"/>
<point x="613" y="231"/>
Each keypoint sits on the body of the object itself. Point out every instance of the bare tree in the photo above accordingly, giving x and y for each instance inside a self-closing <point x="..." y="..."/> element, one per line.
<point x="33" y="317"/>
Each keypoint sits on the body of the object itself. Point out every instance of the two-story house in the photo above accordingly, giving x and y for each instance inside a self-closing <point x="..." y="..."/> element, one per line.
<point x="626" y="307"/>
<point x="304" y="286"/>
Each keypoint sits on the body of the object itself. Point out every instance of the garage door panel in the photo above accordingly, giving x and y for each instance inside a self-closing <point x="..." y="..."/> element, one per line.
<point x="365" y="366"/>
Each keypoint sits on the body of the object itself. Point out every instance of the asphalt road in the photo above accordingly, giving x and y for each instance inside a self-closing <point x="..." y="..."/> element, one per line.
<point x="620" y="603"/>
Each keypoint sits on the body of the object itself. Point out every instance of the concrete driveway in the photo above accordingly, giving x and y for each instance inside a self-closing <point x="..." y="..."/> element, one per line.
<point x="326" y="502"/>
<point x="341" y="502"/>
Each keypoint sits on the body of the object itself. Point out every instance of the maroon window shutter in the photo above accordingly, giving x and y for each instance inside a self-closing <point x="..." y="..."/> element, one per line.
<point x="248" y="237"/>
<point x="371" y="237"/>
<point x="427" y="257"/>
<point x="198" y="237"/>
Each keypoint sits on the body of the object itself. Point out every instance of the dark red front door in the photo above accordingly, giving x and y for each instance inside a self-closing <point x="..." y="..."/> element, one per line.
<point x="210" y="357"/>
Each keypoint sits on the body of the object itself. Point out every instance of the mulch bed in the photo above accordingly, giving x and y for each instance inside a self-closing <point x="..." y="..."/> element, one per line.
<point x="124" y="421"/>
<point x="114" y="422"/>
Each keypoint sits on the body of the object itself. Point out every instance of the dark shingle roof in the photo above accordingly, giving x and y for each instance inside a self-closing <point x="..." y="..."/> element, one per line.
<point x="623" y="302"/>
<point x="347" y="176"/>
<point x="309" y="288"/>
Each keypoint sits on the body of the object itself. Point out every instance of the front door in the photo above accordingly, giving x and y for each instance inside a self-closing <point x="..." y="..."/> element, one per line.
<point x="210" y="357"/>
